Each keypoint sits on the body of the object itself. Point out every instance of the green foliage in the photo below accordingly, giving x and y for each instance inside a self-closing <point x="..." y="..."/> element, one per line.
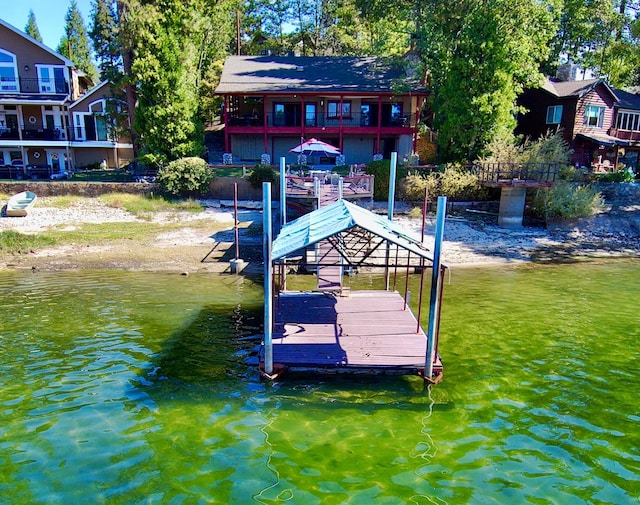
<point x="143" y="205"/>
<point x="624" y="175"/>
<point x="566" y="200"/>
<point x="15" y="242"/>
<point x="507" y="148"/>
<point x="381" y="169"/>
<point x="260" y="174"/>
<point x="174" y="45"/>
<point x="104" y="36"/>
<point x="599" y="35"/>
<point x="571" y="174"/>
<point x="75" y="43"/>
<point x="31" y="28"/>
<point x="185" y="176"/>
<point x="455" y="183"/>
<point x="480" y="56"/>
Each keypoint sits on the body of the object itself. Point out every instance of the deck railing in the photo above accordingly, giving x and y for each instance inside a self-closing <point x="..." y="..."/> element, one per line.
<point x="306" y="187"/>
<point x="355" y="120"/>
<point x="500" y="173"/>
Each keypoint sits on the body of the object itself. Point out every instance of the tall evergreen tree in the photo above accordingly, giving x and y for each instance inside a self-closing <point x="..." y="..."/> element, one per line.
<point x="31" y="28"/>
<point x="104" y="36"/>
<point x="75" y="44"/>
<point x="172" y="50"/>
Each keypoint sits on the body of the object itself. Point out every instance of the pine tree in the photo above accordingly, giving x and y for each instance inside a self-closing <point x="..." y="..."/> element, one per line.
<point x="75" y="43"/>
<point x="104" y="36"/>
<point x="31" y="28"/>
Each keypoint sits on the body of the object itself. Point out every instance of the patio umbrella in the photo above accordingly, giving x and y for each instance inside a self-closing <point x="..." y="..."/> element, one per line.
<point x="314" y="147"/>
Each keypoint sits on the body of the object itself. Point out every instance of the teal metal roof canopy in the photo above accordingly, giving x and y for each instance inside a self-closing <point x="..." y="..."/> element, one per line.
<point x="336" y="218"/>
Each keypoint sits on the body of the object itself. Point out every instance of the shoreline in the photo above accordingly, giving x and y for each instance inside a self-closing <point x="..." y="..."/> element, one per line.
<point x="204" y="241"/>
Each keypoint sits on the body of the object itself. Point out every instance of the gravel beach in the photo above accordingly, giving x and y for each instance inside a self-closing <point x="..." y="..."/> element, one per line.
<point x="469" y="239"/>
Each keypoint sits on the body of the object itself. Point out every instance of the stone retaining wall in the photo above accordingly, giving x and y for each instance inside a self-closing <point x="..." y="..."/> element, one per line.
<point x="620" y="193"/>
<point x="222" y="188"/>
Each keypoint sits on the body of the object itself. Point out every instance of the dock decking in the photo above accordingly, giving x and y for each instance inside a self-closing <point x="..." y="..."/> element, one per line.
<point x="364" y="331"/>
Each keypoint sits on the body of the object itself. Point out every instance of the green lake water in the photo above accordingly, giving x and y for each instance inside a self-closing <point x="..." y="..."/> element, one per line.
<point x="132" y="388"/>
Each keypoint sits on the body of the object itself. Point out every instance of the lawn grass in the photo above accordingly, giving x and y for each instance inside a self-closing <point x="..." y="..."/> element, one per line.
<point x="15" y="242"/>
<point x="143" y="205"/>
<point x="113" y="175"/>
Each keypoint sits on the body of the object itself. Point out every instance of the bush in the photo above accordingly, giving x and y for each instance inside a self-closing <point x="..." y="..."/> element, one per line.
<point x="185" y="176"/>
<point x="380" y="169"/>
<point x="453" y="182"/>
<point x="624" y="175"/>
<point x="566" y="201"/>
<point x="260" y="174"/>
<point x="550" y="148"/>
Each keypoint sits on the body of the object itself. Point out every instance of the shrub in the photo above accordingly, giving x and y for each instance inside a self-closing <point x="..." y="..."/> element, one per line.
<point x="566" y="201"/>
<point x="260" y="174"/>
<point x="184" y="176"/>
<point x="453" y="182"/>
<point x="624" y="175"/>
<point x="550" y="148"/>
<point x="380" y="169"/>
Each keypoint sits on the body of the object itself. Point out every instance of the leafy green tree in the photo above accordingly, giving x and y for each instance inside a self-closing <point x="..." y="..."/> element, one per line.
<point x="75" y="42"/>
<point x="172" y="48"/>
<point x="104" y="37"/>
<point x="31" y="28"/>
<point x="480" y="56"/>
<point x="599" y="36"/>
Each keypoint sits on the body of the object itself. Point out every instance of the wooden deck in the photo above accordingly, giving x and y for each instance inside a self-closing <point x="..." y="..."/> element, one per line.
<point x="355" y="187"/>
<point x="364" y="331"/>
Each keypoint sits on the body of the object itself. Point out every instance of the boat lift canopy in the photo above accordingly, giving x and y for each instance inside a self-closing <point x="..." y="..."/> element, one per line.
<point x="360" y="231"/>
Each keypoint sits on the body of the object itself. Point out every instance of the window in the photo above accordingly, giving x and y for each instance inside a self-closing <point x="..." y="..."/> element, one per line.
<point x="334" y="110"/>
<point x="52" y="79"/>
<point x="594" y="116"/>
<point x="554" y="114"/>
<point x="278" y="114"/>
<point x="8" y="72"/>
<point x="310" y="114"/>
<point x="628" y="121"/>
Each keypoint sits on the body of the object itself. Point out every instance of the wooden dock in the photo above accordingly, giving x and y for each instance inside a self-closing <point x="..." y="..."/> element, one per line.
<point x="363" y="331"/>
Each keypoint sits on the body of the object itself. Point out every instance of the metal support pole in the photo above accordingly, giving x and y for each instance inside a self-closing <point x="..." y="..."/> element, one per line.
<point x="283" y="192"/>
<point x="268" y="278"/>
<point x="392" y="190"/>
<point x="235" y="219"/>
<point x="434" y="298"/>
<point x="424" y="212"/>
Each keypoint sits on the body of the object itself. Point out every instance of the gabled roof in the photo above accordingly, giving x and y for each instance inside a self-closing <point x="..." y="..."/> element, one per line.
<point x="88" y="94"/>
<point x="565" y="89"/>
<point x="627" y="100"/>
<point x="334" y="219"/>
<point x="30" y="39"/>
<point x="336" y="74"/>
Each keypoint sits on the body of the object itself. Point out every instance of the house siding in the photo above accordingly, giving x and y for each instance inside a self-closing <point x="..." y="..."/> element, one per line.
<point x="599" y="96"/>
<point x="37" y="124"/>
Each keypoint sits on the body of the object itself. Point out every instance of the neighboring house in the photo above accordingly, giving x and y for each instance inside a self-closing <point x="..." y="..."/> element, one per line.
<point x="363" y="106"/>
<point x="601" y="124"/>
<point x="42" y="95"/>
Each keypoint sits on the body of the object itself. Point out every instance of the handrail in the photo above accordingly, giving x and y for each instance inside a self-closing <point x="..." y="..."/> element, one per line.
<point x="502" y="171"/>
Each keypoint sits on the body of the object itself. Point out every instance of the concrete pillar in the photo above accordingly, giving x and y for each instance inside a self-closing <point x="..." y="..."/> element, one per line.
<point x="511" y="207"/>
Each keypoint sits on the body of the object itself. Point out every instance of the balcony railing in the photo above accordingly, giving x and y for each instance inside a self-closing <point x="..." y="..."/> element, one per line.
<point x="34" y="86"/>
<point x="40" y="132"/>
<point x="356" y="120"/>
<point x="33" y="133"/>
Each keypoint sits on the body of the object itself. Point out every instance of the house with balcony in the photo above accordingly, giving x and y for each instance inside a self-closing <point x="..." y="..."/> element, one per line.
<point x="367" y="107"/>
<point x="601" y="124"/>
<point x="42" y="94"/>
